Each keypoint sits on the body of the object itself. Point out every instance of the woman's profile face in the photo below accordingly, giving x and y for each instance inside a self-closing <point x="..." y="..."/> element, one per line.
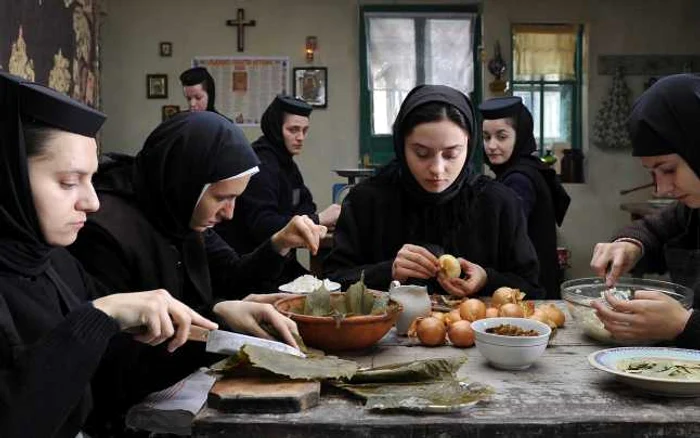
<point x="61" y="183"/>
<point x="217" y="203"/>
<point x="435" y="153"/>
<point x="499" y="140"/>
<point x="674" y="178"/>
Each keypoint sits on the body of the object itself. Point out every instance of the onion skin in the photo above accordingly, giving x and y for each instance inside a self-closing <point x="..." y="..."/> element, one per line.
<point x="461" y="334"/>
<point x="472" y="310"/>
<point x="554" y="314"/>
<point x="505" y="295"/>
<point x="430" y="331"/>
<point x="511" y="310"/>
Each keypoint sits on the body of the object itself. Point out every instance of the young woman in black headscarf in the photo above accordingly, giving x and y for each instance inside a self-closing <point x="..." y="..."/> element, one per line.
<point x="509" y="143"/>
<point x="664" y="130"/>
<point x="278" y="192"/>
<point x="54" y="331"/>
<point x="199" y="89"/>
<point x="393" y="225"/>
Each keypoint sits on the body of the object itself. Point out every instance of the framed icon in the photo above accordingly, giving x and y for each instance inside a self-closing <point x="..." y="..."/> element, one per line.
<point x="157" y="86"/>
<point x="168" y="111"/>
<point x="166" y="48"/>
<point x="311" y="85"/>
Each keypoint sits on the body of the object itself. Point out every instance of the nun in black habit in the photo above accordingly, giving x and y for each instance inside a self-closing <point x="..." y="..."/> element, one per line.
<point x="53" y="338"/>
<point x="509" y="143"/>
<point x="393" y="225"/>
<point x="663" y="127"/>
<point x="278" y="192"/>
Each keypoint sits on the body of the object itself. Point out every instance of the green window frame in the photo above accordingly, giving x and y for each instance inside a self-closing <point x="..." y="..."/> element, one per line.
<point x="569" y="90"/>
<point x="377" y="149"/>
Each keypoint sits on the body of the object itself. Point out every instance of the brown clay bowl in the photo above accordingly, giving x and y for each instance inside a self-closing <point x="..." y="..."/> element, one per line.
<point x="350" y="333"/>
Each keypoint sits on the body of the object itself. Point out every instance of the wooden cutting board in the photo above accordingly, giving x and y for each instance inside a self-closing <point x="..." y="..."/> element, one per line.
<point x="263" y="395"/>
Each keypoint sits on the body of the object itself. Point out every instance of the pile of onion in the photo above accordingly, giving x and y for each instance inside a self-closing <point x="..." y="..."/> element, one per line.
<point x="506" y="295"/>
<point x="472" y="310"/>
<point x="553" y="313"/>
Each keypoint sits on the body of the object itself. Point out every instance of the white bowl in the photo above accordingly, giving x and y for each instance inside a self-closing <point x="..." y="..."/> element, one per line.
<point x="511" y="352"/>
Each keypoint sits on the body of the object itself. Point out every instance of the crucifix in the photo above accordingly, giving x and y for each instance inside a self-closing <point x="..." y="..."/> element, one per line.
<point x="240" y="23"/>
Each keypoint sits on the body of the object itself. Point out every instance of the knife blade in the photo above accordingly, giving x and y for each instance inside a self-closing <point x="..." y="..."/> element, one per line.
<point x="225" y="342"/>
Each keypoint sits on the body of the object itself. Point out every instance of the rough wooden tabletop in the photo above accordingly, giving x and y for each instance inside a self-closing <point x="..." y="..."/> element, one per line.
<point x="561" y="395"/>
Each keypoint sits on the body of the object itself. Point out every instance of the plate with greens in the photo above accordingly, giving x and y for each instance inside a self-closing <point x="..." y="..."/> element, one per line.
<point x="655" y="370"/>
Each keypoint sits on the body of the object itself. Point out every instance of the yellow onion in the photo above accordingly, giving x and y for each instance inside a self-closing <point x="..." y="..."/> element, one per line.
<point x="430" y="331"/>
<point x="472" y="310"/>
<point x="511" y="310"/>
<point x="554" y="313"/>
<point x="491" y="312"/>
<point x="461" y="334"/>
<point x="438" y="315"/>
<point x="505" y="295"/>
<point x="449" y="266"/>
<point x="452" y="317"/>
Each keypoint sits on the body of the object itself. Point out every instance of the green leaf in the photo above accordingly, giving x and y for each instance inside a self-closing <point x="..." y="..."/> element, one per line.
<point x="419" y="370"/>
<point x="318" y="302"/>
<point x="295" y="367"/>
<point x="355" y="296"/>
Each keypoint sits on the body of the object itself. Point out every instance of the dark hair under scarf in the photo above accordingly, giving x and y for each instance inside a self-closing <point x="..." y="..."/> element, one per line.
<point x="22" y="245"/>
<point x="273" y="119"/>
<point x="200" y="75"/>
<point x="419" y="96"/>
<point x="664" y="120"/>
<point x="179" y="158"/>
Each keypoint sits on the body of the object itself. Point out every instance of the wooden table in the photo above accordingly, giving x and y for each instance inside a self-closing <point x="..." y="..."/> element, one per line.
<point x="561" y="395"/>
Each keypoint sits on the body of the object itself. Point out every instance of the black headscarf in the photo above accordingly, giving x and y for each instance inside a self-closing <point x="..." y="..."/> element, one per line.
<point x="273" y="119"/>
<point x="200" y="75"/>
<point x="525" y="144"/>
<point x="421" y="95"/>
<point x="178" y="160"/>
<point x="664" y="120"/>
<point x="22" y="244"/>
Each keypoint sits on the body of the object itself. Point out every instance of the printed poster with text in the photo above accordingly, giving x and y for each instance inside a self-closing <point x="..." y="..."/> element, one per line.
<point x="245" y="86"/>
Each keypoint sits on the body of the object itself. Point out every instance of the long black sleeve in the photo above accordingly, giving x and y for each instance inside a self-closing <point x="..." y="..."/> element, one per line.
<point x="43" y="382"/>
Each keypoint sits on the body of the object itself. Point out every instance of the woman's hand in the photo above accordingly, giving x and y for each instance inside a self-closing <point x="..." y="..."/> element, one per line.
<point x="158" y="314"/>
<point x="474" y="280"/>
<point x="300" y="232"/>
<point x="620" y="256"/>
<point x="651" y="315"/>
<point x="271" y="298"/>
<point x="246" y="317"/>
<point x="413" y="261"/>
<point x="329" y="216"/>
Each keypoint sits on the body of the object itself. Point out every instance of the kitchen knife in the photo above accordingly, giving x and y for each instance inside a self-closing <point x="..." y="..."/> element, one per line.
<point x="225" y="342"/>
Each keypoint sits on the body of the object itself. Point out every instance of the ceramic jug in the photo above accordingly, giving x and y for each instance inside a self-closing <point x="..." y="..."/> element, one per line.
<point x="415" y="301"/>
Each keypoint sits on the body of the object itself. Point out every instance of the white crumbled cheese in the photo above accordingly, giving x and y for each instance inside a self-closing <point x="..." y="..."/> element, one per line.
<point x="307" y="283"/>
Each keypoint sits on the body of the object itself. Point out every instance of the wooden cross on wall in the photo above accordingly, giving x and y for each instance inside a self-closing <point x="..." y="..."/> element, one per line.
<point x="240" y="23"/>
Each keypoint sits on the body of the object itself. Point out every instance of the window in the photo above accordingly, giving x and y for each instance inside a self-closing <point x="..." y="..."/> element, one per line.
<point x="402" y="47"/>
<point x="547" y="75"/>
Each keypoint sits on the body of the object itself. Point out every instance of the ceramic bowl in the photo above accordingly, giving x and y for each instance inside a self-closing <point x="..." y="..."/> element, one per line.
<point x="578" y="295"/>
<point x="350" y="333"/>
<point x="511" y="352"/>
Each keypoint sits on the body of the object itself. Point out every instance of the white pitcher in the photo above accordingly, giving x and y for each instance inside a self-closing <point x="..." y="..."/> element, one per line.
<point x="415" y="302"/>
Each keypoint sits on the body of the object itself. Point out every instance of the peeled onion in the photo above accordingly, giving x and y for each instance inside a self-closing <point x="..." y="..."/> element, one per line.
<point x="449" y="265"/>
<point x="472" y="310"/>
<point x="511" y="310"/>
<point x="491" y="312"/>
<point x="505" y="295"/>
<point x="461" y="334"/>
<point x="430" y="331"/>
<point x="554" y="313"/>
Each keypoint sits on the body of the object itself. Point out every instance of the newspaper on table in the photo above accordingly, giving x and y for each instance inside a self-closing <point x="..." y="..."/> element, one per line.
<point x="172" y="409"/>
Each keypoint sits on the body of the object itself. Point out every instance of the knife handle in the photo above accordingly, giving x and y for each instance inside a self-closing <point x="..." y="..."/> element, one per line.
<point x="197" y="333"/>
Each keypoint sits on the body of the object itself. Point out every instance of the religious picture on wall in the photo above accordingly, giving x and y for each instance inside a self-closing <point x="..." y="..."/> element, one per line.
<point x="311" y="85"/>
<point x="168" y="111"/>
<point x="240" y="81"/>
<point x="166" y="48"/>
<point x="157" y="86"/>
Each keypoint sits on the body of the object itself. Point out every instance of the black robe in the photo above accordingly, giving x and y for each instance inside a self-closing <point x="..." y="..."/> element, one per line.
<point x="51" y="344"/>
<point x="375" y="222"/>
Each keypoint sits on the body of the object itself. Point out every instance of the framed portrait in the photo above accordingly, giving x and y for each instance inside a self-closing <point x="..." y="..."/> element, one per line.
<point x="311" y="85"/>
<point x="157" y="86"/>
<point x="167" y="111"/>
<point x="166" y="48"/>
